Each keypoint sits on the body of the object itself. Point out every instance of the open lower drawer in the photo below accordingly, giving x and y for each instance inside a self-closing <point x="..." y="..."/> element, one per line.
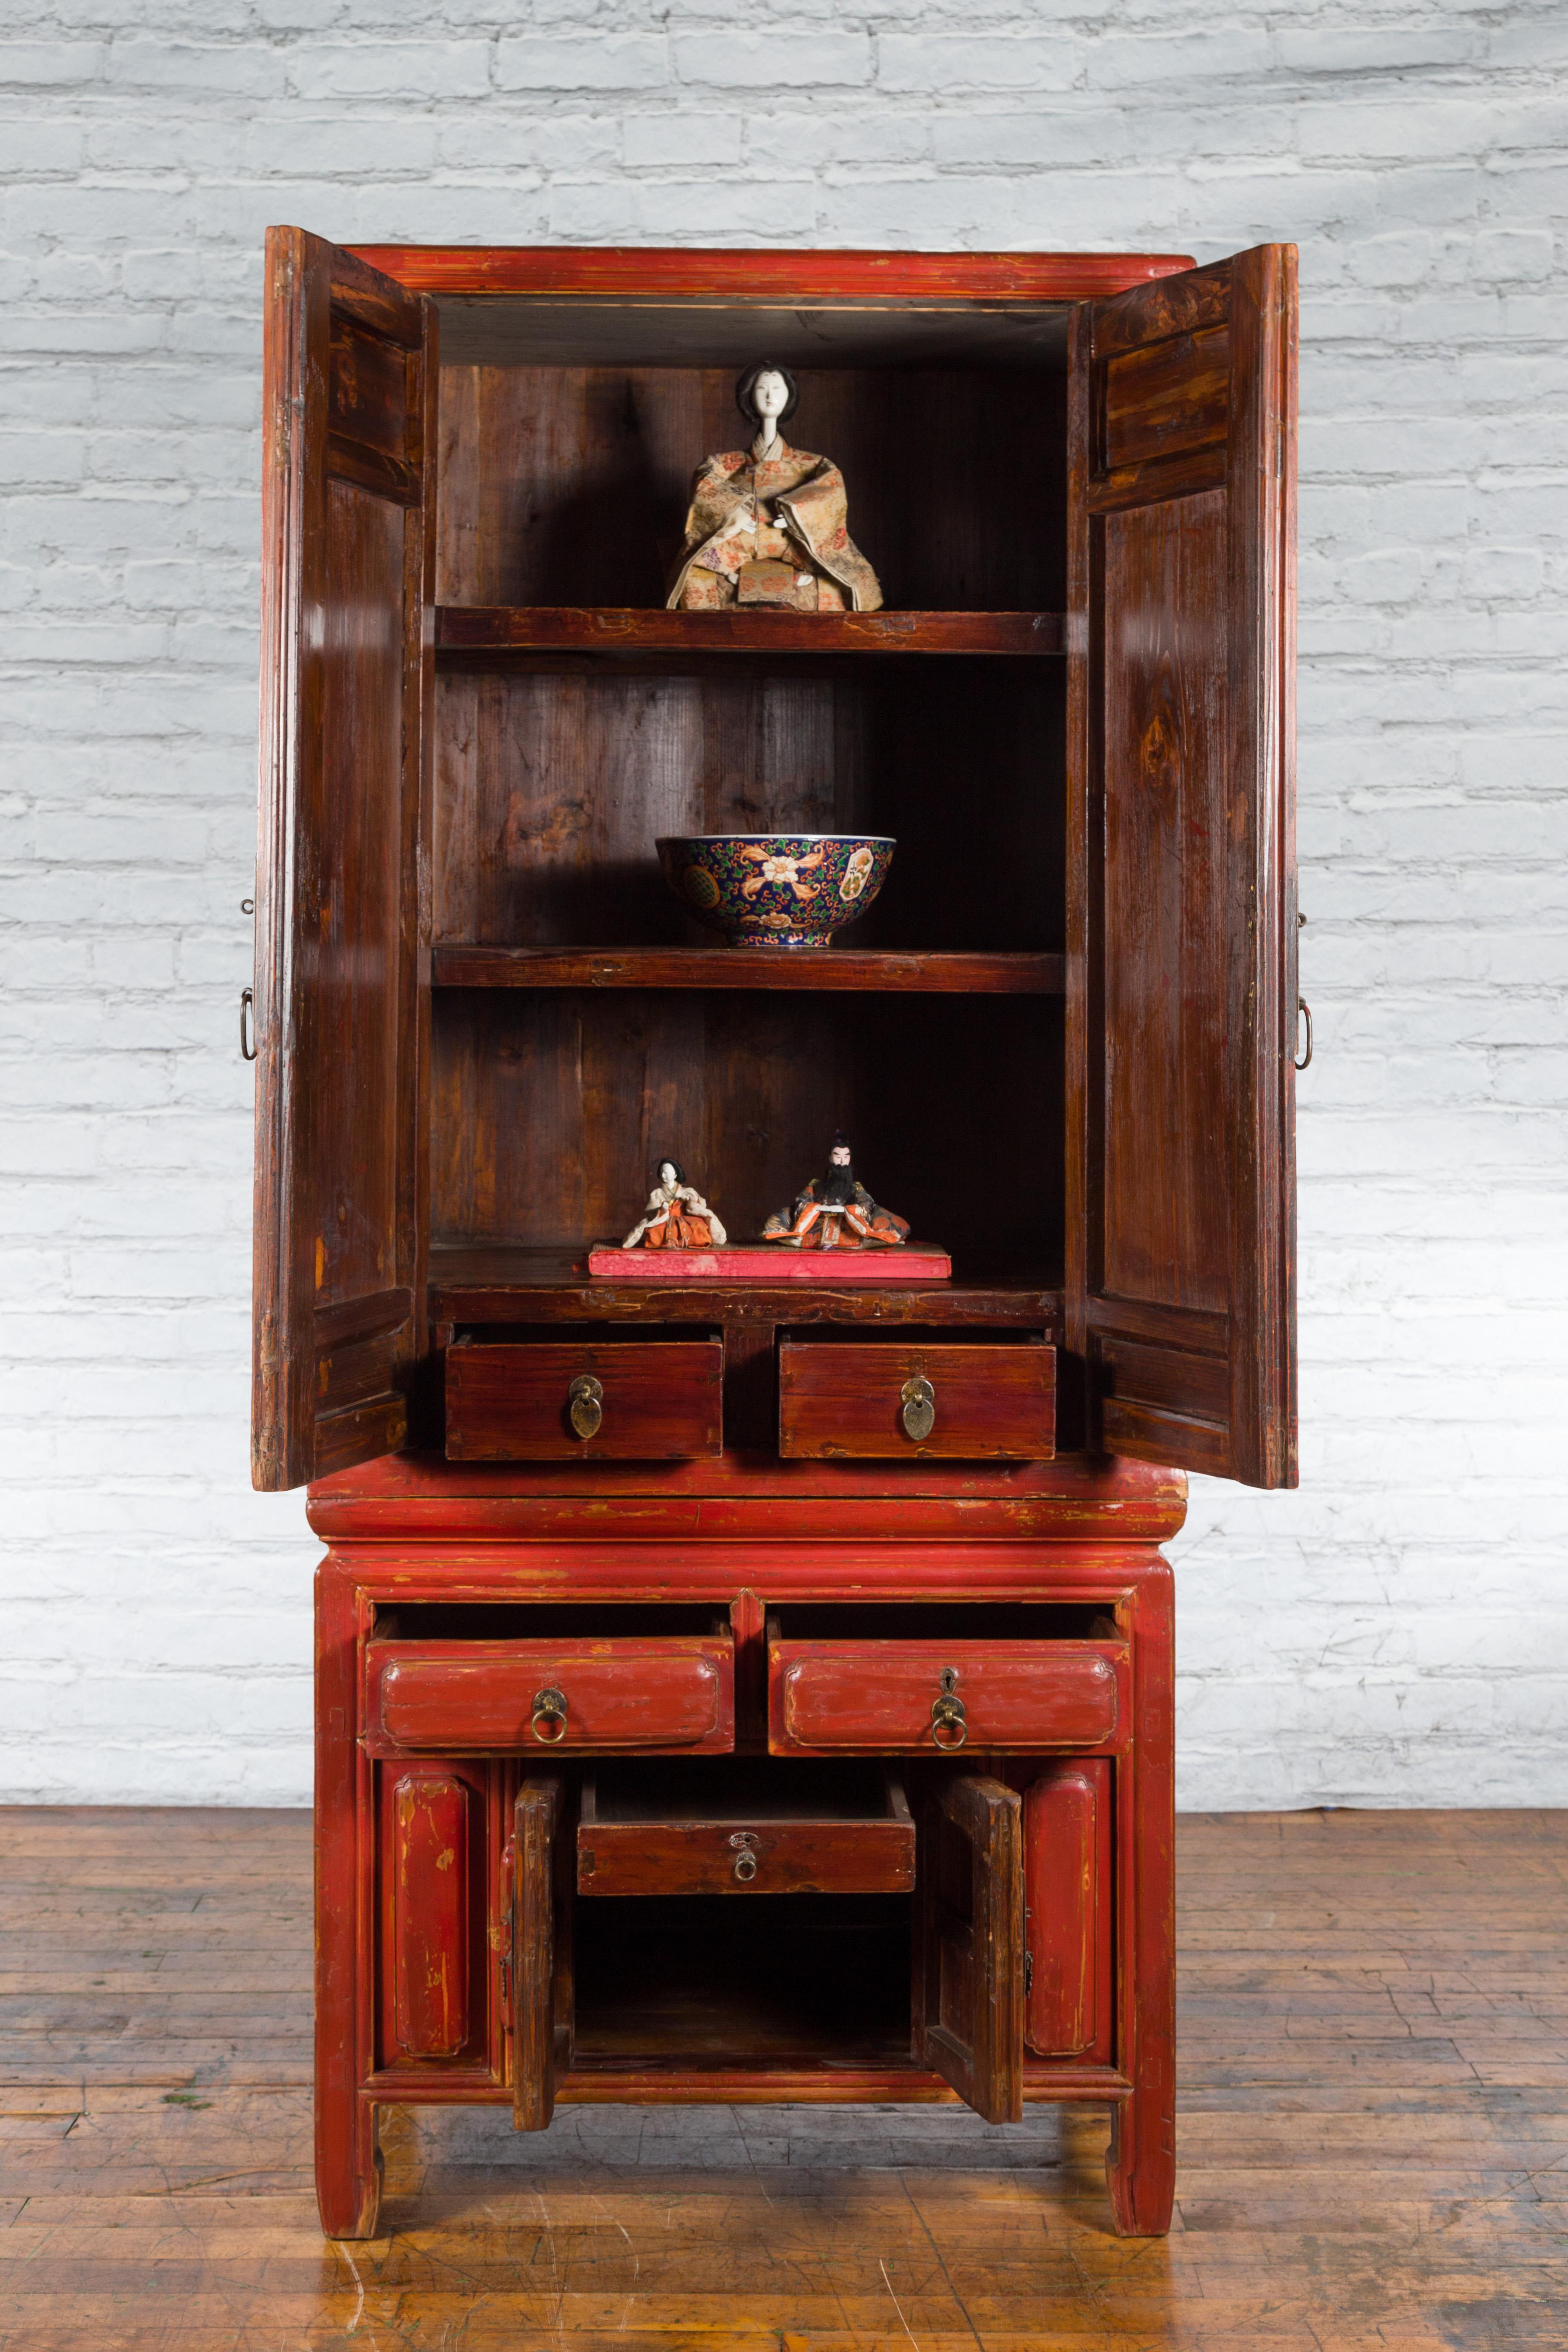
<point x="652" y="1691"/>
<point x="749" y="1828"/>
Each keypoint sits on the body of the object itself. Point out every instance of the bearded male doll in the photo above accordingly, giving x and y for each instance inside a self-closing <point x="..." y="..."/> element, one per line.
<point x="768" y="525"/>
<point x="835" y="1212"/>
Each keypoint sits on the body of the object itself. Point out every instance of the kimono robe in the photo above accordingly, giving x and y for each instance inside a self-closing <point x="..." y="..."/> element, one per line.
<point x="677" y="1217"/>
<point x="795" y="549"/>
<point x="855" y="1224"/>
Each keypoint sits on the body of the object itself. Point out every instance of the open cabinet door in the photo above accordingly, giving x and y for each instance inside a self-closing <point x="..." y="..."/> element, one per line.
<point x="1181" y="901"/>
<point x="536" y="1954"/>
<point x="341" y="1000"/>
<point x="970" y="1956"/>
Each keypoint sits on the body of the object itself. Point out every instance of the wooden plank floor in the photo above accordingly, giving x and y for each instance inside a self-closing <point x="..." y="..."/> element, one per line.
<point x="1373" y="2142"/>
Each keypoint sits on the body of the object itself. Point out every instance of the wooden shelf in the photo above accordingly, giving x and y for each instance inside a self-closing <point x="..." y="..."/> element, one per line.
<point x="497" y="1282"/>
<point x="898" y="971"/>
<point x="465" y="632"/>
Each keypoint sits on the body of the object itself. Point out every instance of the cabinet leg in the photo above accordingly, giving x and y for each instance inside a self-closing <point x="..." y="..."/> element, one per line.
<point x="348" y="2168"/>
<point x="1141" y="2167"/>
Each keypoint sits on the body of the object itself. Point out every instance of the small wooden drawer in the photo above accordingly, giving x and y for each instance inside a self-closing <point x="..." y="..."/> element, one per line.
<point x="759" y="1832"/>
<point x="670" y="1692"/>
<point x="623" y="1400"/>
<point x="827" y="1698"/>
<point x="881" y="1402"/>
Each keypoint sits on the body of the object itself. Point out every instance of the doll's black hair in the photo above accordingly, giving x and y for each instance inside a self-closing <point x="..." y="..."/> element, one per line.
<point x="745" y="385"/>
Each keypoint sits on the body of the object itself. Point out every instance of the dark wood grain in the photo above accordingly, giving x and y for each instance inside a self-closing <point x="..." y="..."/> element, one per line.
<point x="550" y="1106"/>
<point x="674" y="1692"/>
<point x="853" y="1698"/>
<point x="503" y="1283"/>
<point x="1181" y="1200"/>
<point x="970" y="1953"/>
<point x="568" y="487"/>
<point x="552" y="785"/>
<point x="538" y="1824"/>
<point x="991" y="1403"/>
<point x="347" y="582"/>
<point x="751" y="274"/>
<point x="661" y="1401"/>
<point x="629" y="631"/>
<point x="457" y="965"/>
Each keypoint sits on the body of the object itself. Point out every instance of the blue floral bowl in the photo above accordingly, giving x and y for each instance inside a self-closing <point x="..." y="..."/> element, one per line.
<point x="775" y="889"/>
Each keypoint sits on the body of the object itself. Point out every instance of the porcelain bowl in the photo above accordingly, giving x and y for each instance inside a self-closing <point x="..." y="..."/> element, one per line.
<point x="775" y="889"/>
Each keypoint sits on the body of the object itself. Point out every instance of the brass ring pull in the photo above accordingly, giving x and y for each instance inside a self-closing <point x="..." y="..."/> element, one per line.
<point x="919" y="1399"/>
<point x="585" y="1404"/>
<point x="549" y="1715"/>
<point x="1304" y="1013"/>
<point x="746" y="1859"/>
<point x="948" y="1726"/>
<point x="247" y="1024"/>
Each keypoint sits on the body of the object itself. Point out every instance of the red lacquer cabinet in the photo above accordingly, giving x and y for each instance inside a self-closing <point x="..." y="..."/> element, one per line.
<point x="747" y="1738"/>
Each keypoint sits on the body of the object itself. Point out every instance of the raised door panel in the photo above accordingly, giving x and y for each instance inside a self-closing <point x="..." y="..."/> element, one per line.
<point x="340" y="984"/>
<point x="1068" y="1924"/>
<point x="433" y="1852"/>
<point x="969" y="1952"/>
<point x="431" y="1840"/>
<point x="1181" y="918"/>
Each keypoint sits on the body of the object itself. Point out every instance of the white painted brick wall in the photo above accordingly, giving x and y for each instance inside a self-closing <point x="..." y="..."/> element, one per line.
<point x="1395" y="1632"/>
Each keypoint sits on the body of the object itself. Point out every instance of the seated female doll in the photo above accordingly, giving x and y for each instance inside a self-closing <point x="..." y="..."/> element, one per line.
<point x="677" y="1216"/>
<point x="767" y="524"/>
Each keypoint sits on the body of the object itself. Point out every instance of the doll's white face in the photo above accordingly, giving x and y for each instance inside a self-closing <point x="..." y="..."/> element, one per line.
<point x="770" y="395"/>
<point x="840" y="1155"/>
<point x="666" y="1175"/>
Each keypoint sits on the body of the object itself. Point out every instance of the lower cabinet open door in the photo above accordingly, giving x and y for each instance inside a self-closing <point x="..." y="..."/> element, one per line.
<point x="969" y="1960"/>
<point x="540" y="1993"/>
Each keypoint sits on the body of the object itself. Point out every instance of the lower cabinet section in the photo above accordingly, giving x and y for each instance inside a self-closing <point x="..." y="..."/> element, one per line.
<point x="690" y="1917"/>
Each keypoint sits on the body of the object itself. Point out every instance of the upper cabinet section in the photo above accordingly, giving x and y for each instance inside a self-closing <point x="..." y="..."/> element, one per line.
<point x="1180" y="956"/>
<point x="581" y="388"/>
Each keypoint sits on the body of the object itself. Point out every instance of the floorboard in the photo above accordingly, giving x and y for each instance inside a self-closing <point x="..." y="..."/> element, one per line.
<point x="1374" y="2145"/>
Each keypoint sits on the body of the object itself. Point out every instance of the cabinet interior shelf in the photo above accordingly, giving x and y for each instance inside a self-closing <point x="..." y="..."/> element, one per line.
<point x="465" y="632"/>
<point x="504" y="1282"/>
<point x="462" y="964"/>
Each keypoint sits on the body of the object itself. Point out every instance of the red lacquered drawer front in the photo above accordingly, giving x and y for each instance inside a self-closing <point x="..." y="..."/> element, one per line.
<point x="940" y="1697"/>
<point x="674" y="1693"/>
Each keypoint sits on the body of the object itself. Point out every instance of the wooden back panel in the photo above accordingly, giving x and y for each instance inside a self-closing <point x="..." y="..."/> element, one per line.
<point x="569" y="484"/>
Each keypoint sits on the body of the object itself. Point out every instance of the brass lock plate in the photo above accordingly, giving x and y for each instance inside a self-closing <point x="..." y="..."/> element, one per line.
<point x="585" y="1404"/>
<point x="919" y="1401"/>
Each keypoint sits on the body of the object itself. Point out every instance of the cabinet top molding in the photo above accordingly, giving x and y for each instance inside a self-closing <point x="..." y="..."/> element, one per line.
<point x="631" y="272"/>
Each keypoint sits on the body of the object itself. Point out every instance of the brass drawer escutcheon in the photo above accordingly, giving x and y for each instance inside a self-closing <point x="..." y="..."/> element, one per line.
<point x="948" y="1726"/>
<point x="585" y="1404"/>
<point x="548" y="1721"/>
<point x="919" y="1407"/>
